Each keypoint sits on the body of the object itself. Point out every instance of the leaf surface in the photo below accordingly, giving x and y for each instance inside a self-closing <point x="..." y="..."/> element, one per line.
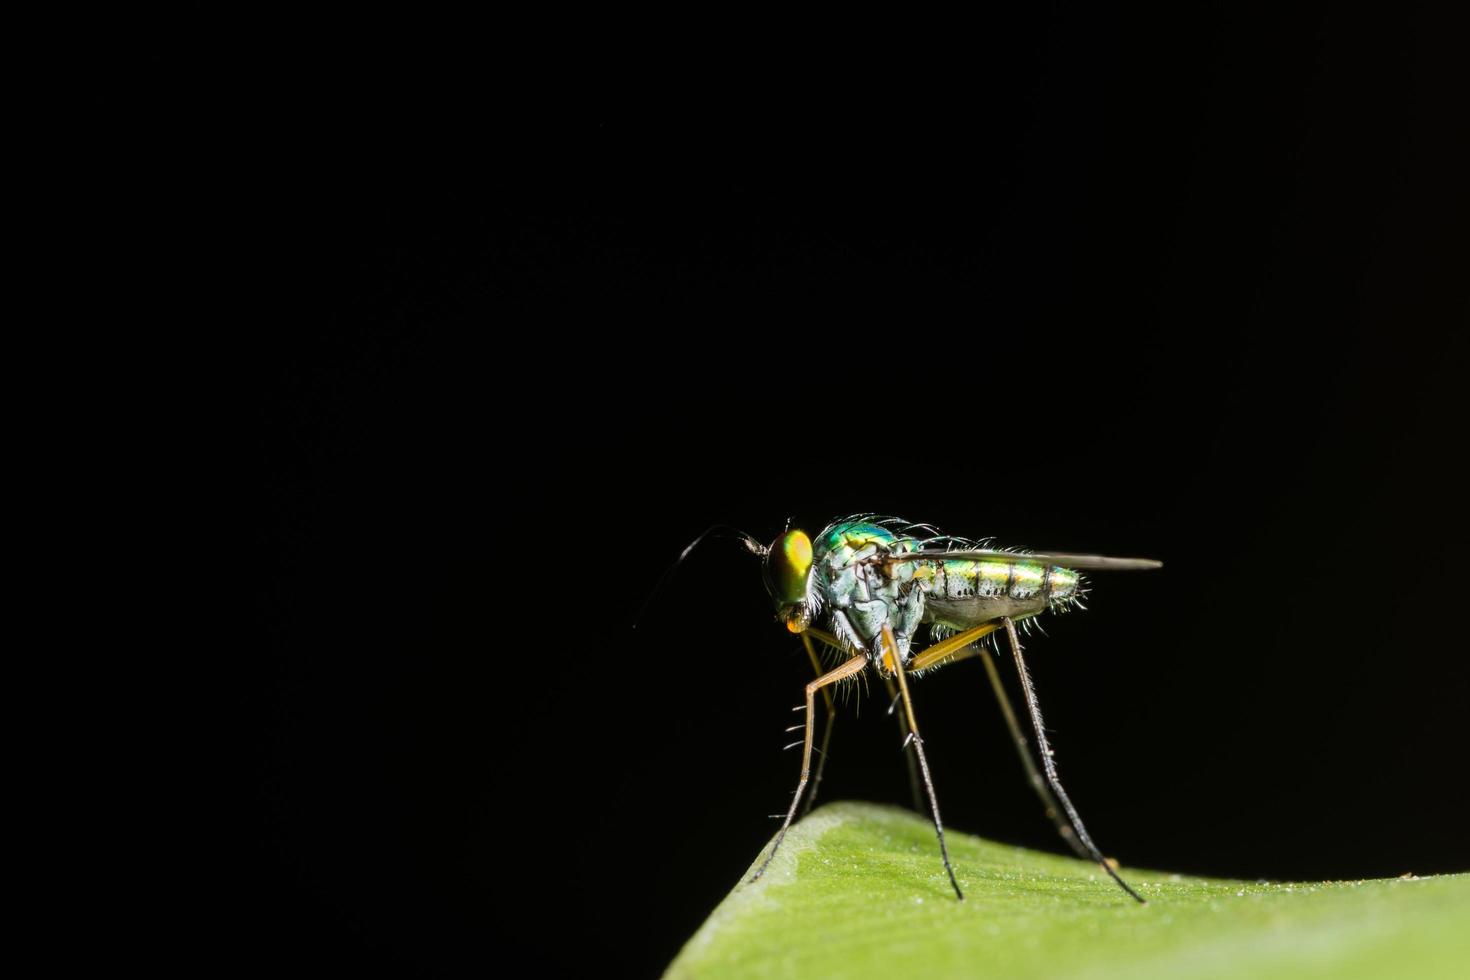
<point x="858" y="890"/>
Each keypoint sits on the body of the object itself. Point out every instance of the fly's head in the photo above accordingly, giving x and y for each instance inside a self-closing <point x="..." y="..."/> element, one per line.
<point x="788" y="567"/>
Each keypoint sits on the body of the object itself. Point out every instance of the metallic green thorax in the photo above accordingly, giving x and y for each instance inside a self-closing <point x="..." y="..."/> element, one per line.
<point x="861" y="581"/>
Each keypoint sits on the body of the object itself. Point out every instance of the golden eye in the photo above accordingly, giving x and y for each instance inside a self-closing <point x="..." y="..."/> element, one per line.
<point x="787" y="565"/>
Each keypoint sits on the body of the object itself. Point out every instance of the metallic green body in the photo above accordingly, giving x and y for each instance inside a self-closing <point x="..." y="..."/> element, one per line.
<point x="876" y="582"/>
<point x="860" y="581"/>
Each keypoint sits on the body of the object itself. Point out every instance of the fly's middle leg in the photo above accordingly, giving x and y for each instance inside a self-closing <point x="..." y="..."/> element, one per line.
<point x="903" y="731"/>
<point x="890" y="649"/>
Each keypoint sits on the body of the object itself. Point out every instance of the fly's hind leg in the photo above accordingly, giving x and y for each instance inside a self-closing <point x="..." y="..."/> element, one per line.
<point x="948" y="652"/>
<point x="1033" y="775"/>
<point x="1044" y="748"/>
<point x="852" y="668"/>
<point x="955" y="648"/>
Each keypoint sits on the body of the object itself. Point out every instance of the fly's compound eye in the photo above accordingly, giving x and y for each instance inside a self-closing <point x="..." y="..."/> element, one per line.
<point x="788" y="563"/>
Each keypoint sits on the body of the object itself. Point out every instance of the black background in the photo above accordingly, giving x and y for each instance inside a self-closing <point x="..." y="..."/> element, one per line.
<point x="1184" y="287"/>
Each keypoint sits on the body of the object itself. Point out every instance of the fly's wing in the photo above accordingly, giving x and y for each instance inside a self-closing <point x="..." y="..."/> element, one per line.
<point x="1086" y="563"/>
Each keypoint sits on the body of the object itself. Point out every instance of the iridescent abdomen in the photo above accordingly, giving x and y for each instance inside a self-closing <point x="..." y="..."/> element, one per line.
<point x="963" y="594"/>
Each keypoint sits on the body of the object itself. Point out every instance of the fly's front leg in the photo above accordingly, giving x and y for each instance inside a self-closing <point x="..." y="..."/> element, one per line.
<point x="850" y="669"/>
<point x="903" y="731"/>
<point x="811" y="798"/>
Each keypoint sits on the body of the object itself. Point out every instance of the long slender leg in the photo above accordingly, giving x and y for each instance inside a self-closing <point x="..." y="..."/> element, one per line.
<point x="1051" y="770"/>
<point x="891" y="651"/>
<point x="1033" y="775"/>
<point x="951" y="649"/>
<point x="945" y="652"/>
<point x="903" y="733"/>
<point x="811" y="797"/>
<point x="850" y="669"/>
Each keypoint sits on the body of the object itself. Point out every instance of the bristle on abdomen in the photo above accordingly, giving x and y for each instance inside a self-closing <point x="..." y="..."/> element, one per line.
<point x="1063" y="586"/>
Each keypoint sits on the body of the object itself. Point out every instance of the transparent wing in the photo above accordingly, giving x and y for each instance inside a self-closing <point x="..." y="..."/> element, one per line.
<point x="1089" y="563"/>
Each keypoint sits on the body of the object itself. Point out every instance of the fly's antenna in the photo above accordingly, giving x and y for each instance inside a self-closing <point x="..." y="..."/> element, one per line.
<point x="751" y="545"/>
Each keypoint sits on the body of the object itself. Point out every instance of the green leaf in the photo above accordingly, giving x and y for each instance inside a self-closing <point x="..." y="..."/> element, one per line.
<point x="858" y="891"/>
